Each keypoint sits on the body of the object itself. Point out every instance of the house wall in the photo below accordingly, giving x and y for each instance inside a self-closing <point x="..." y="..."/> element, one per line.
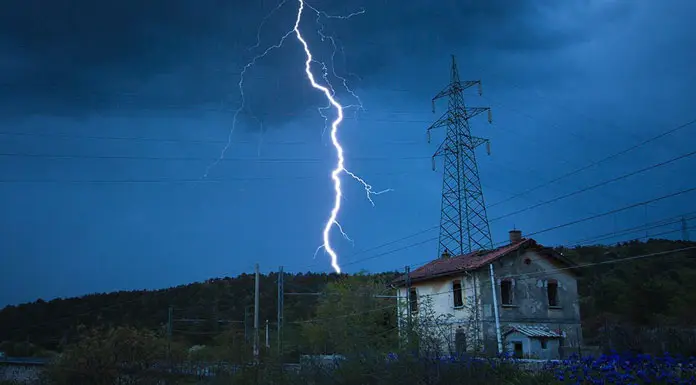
<point x="436" y="303"/>
<point x="530" y="300"/>
<point x="532" y="347"/>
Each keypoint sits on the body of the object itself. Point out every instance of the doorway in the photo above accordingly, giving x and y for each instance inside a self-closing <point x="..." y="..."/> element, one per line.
<point x="517" y="351"/>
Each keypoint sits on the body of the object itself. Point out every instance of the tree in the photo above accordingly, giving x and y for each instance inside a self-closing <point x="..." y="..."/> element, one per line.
<point x="350" y="317"/>
<point x="123" y="355"/>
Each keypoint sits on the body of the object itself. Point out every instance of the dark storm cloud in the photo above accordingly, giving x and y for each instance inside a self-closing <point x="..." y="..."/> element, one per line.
<point x="479" y="30"/>
<point x="80" y="55"/>
<point x="151" y="55"/>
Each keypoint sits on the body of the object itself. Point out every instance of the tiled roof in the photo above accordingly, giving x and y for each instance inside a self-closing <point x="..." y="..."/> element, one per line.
<point x="533" y="331"/>
<point x="472" y="261"/>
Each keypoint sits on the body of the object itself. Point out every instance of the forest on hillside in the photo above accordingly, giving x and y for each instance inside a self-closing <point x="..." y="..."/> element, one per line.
<point x="632" y="303"/>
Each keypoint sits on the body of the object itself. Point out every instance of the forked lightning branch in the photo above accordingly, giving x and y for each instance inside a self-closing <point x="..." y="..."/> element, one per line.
<point x="329" y="93"/>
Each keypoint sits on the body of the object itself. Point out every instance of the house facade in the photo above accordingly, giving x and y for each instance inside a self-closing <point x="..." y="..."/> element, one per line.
<point x="521" y="298"/>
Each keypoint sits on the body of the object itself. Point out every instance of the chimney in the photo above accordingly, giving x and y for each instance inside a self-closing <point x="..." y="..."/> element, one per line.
<point x="515" y="236"/>
<point x="445" y="254"/>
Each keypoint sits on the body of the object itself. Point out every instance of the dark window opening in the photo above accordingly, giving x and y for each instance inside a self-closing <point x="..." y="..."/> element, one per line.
<point x="544" y="344"/>
<point x="552" y="292"/>
<point x="413" y="300"/>
<point x="506" y="292"/>
<point x="458" y="295"/>
<point x="518" y="353"/>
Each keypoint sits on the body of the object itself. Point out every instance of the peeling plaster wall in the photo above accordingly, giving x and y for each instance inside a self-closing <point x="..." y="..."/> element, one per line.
<point x="530" y="299"/>
<point x="436" y="300"/>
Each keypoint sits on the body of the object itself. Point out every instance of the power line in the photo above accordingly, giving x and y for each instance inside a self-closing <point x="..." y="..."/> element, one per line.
<point x="646" y="226"/>
<point x="672" y="195"/>
<point x="434" y="239"/>
<point x="175" y="181"/>
<point x="681" y="192"/>
<point x="649" y="236"/>
<point x="607" y="158"/>
<point x="255" y="160"/>
<point x="600" y="184"/>
<point x="585" y="242"/>
<point x="557" y="179"/>
<point x="187" y="141"/>
<point x="574" y="222"/>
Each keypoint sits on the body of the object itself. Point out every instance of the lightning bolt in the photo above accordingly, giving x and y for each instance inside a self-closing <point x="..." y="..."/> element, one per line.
<point x="332" y="39"/>
<point x="263" y="22"/>
<point x="329" y="93"/>
<point x="240" y="85"/>
<point x="340" y="163"/>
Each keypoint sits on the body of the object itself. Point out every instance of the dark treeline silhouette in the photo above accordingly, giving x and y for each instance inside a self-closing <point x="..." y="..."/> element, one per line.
<point x="639" y="304"/>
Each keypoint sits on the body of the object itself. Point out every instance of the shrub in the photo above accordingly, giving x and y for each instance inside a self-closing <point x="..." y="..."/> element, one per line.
<point x="626" y="369"/>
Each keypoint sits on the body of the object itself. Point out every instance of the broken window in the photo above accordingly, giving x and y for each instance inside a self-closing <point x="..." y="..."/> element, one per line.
<point x="413" y="300"/>
<point x="506" y="292"/>
<point x="552" y="293"/>
<point x="544" y="344"/>
<point x="458" y="294"/>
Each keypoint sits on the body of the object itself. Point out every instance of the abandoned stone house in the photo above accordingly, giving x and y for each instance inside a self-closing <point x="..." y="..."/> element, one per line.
<point x="534" y="289"/>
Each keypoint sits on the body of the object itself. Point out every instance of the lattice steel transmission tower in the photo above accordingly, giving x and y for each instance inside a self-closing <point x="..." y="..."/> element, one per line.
<point x="464" y="222"/>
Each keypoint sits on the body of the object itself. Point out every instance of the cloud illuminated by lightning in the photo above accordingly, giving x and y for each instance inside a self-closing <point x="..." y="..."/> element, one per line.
<point x="329" y="93"/>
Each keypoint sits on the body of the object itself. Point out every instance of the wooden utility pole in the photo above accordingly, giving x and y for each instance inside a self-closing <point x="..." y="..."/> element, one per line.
<point x="408" y="297"/>
<point x="246" y="323"/>
<point x="256" y="312"/>
<point x="170" y="321"/>
<point x="279" y="326"/>
<point x="408" y="305"/>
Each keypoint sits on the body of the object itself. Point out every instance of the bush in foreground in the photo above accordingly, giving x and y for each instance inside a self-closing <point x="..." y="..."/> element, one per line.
<point x="626" y="369"/>
<point x="409" y="369"/>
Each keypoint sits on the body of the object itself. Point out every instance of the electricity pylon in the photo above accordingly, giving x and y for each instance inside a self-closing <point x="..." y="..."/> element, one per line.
<point x="464" y="222"/>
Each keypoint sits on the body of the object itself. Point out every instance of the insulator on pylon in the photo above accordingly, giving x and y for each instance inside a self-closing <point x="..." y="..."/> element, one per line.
<point x="488" y="147"/>
<point x="433" y="106"/>
<point x="433" y="159"/>
<point x="490" y="116"/>
<point x="428" y="135"/>
<point x="480" y="87"/>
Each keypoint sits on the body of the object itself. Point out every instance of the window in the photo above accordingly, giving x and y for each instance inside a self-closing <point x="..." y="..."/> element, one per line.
<point x="458" y="295"/>
<point x="552" y="293"/>
<point x="413" y="300"/>
<point x="506" y="292"/>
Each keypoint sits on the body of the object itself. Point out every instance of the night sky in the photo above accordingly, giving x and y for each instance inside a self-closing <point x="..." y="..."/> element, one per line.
<point x="112" y="111"/>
